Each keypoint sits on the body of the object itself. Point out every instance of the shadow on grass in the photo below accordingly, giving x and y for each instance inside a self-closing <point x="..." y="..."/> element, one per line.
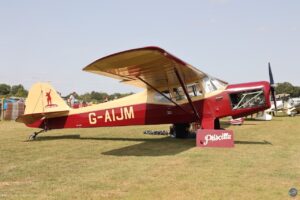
<point x="227" y="124"/>
<point x="154" y="147"/>
<point x="253" y="120"/>
<point x="253" y="142"/>
<point x="224" y="124"/>
<point x="147" y="146"/>
<point x="282" y="116"/>
<point x="60" y="137"/>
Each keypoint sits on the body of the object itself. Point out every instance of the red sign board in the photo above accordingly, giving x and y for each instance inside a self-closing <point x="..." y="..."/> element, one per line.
<point x="214" y="138"/>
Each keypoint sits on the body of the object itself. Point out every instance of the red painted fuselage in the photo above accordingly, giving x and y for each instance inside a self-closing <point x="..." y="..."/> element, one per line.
<point x="214" y="107"/>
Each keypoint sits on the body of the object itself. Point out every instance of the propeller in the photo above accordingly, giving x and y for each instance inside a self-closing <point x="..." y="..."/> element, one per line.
<point x="272" y="86"/>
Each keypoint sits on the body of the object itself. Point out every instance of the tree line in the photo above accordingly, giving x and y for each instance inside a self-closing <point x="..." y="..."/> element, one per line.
<point x="95" y="97"/>
<point x="287" y="88"/>
<point x="15" y="90"/>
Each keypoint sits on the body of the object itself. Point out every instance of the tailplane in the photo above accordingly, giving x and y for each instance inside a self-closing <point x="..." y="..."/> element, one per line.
<point x="42" y="101"/>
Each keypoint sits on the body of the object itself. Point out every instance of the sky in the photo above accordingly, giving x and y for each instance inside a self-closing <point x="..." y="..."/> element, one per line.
<point x="52" y="41"/>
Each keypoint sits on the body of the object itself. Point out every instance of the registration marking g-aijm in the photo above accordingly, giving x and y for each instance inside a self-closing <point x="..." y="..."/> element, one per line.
<point x="111" y="116"/>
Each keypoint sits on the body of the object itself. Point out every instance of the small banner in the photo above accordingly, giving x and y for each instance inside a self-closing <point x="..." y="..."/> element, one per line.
<point x="214" y="138"/>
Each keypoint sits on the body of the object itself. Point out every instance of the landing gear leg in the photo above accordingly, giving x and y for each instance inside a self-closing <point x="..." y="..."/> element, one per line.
<point x="33" y="136"/>
<point x="45" y="128"/>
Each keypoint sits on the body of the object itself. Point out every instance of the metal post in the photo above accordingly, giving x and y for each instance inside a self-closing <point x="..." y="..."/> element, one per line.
<point x="161" y="93"/>
<point x="186" y="93"/>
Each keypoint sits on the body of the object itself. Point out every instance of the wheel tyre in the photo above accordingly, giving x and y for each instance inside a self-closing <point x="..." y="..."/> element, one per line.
<point x="172" y="132"/>
<point x="181" y="130"/>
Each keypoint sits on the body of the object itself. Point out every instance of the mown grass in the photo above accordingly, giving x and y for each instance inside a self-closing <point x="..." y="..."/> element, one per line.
<point x="123" y="163"/>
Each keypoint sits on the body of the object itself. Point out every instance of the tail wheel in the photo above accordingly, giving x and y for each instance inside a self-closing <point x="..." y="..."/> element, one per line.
<point x="180" y="130"/>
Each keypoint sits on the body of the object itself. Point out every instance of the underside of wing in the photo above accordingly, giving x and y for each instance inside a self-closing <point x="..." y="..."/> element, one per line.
<point x="151" y="65"/>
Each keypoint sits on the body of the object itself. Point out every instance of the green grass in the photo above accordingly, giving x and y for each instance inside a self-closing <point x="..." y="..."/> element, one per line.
<point x="123" y="163"/>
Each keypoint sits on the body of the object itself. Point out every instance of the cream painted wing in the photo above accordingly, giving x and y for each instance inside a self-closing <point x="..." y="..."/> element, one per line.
<point x="153" y="65"/>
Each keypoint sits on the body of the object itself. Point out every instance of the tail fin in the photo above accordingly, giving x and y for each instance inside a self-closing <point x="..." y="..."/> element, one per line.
<point x="42" y="101"/>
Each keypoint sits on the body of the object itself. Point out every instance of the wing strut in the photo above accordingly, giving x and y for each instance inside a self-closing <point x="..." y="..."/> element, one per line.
<point x="162" y="94"/>
<point x="186" y="93"/>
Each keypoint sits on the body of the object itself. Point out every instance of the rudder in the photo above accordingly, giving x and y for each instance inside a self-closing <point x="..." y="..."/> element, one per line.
<point x="42" y="98"/>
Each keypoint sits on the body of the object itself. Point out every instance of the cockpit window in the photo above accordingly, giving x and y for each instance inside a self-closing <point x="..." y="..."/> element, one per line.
<point x="160" y="98"/>
<point x="218" y="84"/>
<point x="247" y="99"/>
<point x="194" y="90"/>
<point x="211" y="84"/>
<point x="179" y="93"/>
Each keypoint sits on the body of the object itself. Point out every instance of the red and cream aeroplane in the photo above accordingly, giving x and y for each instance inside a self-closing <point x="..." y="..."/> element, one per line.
<point x="175" y="93"/>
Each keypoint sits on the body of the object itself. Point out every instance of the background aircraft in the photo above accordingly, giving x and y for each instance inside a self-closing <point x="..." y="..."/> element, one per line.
<point x="284" y="104"/>
<point x="175" y="93"/>
<point x="296" y="103"/>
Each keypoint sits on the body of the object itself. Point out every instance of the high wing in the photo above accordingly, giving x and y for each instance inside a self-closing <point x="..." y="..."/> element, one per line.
<point x="151" y="65"/>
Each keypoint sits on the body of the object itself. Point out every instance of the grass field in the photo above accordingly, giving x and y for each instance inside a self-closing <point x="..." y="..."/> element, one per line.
<point x="123" y="163"/>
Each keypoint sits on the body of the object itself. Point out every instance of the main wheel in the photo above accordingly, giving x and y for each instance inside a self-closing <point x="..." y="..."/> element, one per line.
<point x="180" y="130"/>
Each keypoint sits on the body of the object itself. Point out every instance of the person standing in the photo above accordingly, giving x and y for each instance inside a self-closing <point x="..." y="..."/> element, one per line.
<point x="72" y="99"/>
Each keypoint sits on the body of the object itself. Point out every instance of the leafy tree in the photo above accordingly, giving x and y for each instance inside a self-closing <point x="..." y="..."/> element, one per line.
<point x="4" y="89"/>
<point x="98" y="97"/>
<point x="284" y="88"/>
<point x="288" y="88"/>
<point x="19" y="91"/>
<point x="296" y="92"/>
<point x="114" y="96"/>
<point x="74" y="94"/>
<point x="15" y="88"/>
<point x="85" y="97"/>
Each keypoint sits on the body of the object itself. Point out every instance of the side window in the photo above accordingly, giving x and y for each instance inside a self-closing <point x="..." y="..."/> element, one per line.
<point x="194" y="90"/>
<point x="179" y="94"/>
<point x="160" y="98"/>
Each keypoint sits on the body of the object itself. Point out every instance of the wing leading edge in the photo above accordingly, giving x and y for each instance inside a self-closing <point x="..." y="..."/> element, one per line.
<point x="151" y="64"/>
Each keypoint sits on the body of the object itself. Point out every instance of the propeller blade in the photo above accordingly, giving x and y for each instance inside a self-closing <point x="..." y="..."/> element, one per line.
<point x="271" y="75"/>
<point x="272" y="86"/>
<point x="274" y="97"/>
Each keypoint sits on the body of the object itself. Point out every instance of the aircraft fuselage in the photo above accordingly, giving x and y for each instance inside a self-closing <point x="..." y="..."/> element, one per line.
<point x="235" y="100"/>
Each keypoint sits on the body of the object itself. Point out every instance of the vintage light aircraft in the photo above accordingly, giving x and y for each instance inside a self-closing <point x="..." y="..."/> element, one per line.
<point x="175" y="93"/>
<point x="285" y="104"/>
<point x="296" y="103"/>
